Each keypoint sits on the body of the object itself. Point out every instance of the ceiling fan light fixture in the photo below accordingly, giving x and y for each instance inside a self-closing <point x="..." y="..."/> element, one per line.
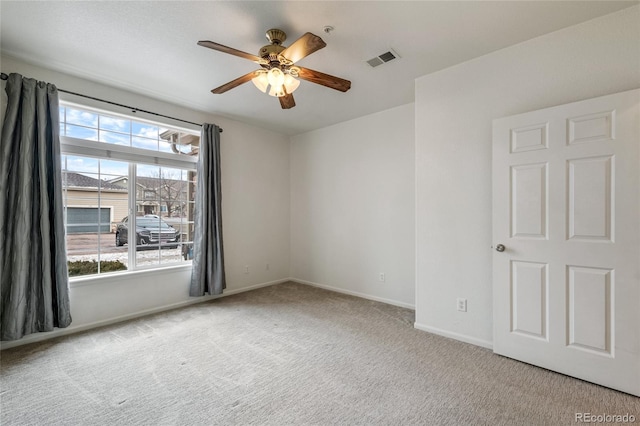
<point x="290" y="83"/>
<point x="261" y="81"/>
<point x="275" y="82"/>
<point x="275" y="77"/>
<point x="277" y="91"/>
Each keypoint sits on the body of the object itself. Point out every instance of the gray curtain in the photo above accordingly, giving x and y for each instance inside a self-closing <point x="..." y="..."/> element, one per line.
<point x="207" y="275"/>
<point x="34" y="284"/>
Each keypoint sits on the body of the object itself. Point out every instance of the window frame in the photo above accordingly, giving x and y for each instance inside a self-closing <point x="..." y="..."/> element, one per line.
<point x="71" y="146"/>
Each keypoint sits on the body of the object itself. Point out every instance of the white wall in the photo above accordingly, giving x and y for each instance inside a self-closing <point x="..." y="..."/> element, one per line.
<point x="454" y="111"/>
<point x="255" y="186"/>
<point x="352" y="206"/>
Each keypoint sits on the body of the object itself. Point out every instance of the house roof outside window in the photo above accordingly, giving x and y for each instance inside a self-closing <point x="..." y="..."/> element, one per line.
<point x="80" y="181"/>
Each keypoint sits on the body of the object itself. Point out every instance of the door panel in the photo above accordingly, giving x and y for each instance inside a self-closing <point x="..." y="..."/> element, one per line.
<point x="566" y="204"/>
<point x="591" y="198"/>
<point x="590" y="309"/>
<point x="529" y="298"/>
<point x="529" y="201"/>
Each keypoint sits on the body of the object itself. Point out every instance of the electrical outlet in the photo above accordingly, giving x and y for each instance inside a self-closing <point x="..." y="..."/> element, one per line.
<point x="462" y="304"/>
<point x="382" y="276"/>
<point x="246" y="269"/>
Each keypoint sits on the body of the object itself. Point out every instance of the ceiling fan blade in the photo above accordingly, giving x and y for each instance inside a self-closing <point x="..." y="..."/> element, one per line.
<point x="229" y="50"/>
<point x="287" y="101"/>
<point x="234" y="83"/>
<point x="304" y="46"/>
<point x="323" y="79"/>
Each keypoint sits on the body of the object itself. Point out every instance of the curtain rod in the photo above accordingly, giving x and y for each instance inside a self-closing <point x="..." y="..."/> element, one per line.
<point x="4" y="76"/>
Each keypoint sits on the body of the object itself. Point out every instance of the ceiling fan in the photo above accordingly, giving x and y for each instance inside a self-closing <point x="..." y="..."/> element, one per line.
<point x="278" y="73"/>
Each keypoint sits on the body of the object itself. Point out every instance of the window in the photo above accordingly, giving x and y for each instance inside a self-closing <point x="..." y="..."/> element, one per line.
<point x="129" y="187"/>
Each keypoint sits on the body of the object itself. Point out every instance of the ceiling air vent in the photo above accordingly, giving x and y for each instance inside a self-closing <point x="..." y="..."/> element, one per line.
<point x="381" y="59"/>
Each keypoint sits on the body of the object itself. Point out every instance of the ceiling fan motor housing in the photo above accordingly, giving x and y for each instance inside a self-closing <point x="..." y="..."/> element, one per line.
<point x="276" y="36"/>
<point x="270" y="51"/>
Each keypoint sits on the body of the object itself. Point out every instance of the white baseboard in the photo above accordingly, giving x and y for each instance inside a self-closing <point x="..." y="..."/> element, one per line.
<point x="355" y="293"/>
<point x="38" y="337"/>
<point x="456" y="336"/>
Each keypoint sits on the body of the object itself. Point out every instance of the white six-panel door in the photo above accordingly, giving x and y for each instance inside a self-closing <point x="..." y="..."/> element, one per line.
<point x="566" y="208"/>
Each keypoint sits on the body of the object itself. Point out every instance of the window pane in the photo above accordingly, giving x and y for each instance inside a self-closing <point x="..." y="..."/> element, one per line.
<point x="144" y="143"/>
<point x="82" y="118"/>
<point x="85" y="257"/>
<point x="121" y="125"/>
<point x="81" y="132"/>
<point x="166" y="147"/>
<point x="145" y="130"/>
<point x="163" y="132"/>
<point x="93" y="205"/>
<point x="112" y="169"/>
<point x="183" y="143"/>
<point x="114" y="138"/>
<point x="81" y="164"/>
<point x="146" y="170"/>
<point x="173" y="190"/>
<point x="158" y="239"/>
<point x="170" y="253"/>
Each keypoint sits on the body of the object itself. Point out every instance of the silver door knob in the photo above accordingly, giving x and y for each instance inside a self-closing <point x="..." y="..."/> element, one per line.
<point x="500" y="248"/>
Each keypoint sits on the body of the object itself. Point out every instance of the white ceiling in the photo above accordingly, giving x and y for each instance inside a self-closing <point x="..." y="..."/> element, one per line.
<point x="150" y="47"/>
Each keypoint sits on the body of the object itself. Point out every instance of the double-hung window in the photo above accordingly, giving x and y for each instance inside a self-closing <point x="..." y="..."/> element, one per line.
<point x="129" y="186"/>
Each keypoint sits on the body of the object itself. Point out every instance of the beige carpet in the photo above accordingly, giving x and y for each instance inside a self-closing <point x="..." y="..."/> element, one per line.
<point x="284" y="355"/>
